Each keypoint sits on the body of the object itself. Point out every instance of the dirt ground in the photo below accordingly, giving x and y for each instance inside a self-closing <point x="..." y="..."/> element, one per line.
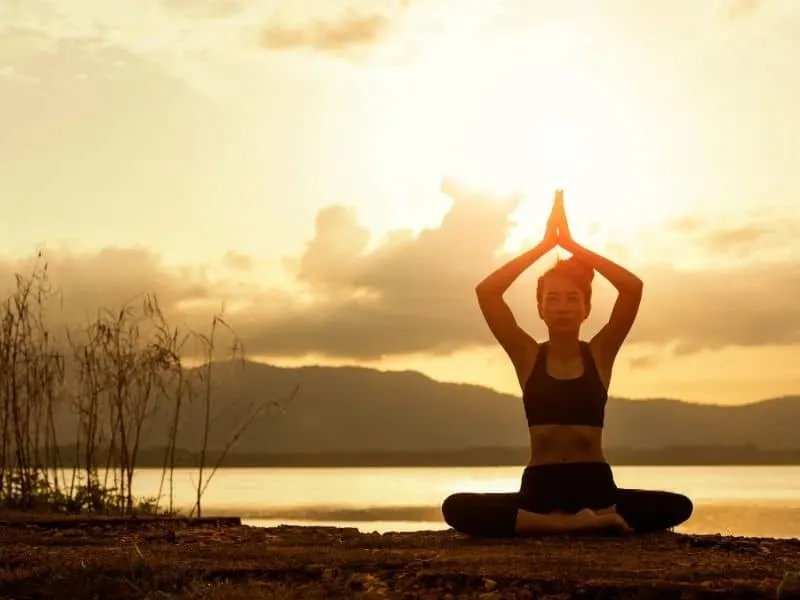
<point x="171" y="559"/>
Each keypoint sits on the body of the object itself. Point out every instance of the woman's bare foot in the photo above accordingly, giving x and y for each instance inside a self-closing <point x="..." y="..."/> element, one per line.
<point x="606" y="510"/>
<point x="589" y="521"/>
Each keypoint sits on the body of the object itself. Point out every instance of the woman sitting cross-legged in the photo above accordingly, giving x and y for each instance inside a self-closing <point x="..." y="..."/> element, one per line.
<point x="567" y="486"/>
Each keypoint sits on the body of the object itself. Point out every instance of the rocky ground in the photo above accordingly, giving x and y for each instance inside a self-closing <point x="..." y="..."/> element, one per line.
<point x="220" y="559"/>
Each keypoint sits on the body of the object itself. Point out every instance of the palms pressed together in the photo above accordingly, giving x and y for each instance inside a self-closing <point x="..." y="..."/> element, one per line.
<point x="557" y="232"/>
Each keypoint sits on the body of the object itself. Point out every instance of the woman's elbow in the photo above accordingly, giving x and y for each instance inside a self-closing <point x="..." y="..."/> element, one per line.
<point x="485" y="289"/>
<point x="634" y="287"/>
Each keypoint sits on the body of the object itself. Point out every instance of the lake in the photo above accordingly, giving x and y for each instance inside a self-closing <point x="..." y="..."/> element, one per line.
<point x="733" y="500"/>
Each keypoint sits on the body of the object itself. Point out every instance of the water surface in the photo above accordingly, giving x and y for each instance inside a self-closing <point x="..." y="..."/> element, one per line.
<point x="734" y="500"/>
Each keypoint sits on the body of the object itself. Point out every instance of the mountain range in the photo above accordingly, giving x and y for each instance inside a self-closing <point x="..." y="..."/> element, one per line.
<point x="362" y="410"/>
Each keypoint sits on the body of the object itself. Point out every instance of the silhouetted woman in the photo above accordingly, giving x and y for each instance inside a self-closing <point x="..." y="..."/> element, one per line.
<point x="567" y="486"/>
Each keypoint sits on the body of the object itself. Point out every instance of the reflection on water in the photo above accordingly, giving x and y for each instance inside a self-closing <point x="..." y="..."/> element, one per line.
<point x="753" y="501"/>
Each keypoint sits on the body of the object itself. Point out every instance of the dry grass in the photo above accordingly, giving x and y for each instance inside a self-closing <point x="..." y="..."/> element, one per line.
<point x="112" y="373"/>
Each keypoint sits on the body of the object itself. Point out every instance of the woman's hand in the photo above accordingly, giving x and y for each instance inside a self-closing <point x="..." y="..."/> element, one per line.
<point x="564" y="236"/>
<point x="551" y="233"/>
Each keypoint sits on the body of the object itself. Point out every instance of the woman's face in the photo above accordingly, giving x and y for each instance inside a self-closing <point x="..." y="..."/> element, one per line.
<point x="563" y="305"/>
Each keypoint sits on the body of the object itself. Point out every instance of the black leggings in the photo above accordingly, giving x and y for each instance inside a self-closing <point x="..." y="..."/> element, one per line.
<point x="567" y="487"/>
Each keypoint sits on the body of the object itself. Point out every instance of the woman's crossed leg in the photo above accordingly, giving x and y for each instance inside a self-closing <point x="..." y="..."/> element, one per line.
<point x="499" y="514"/>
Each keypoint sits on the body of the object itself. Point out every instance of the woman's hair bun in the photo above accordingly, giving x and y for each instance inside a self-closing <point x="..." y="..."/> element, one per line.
<point x="576" y="267"/>
<point x="573" y="269"/>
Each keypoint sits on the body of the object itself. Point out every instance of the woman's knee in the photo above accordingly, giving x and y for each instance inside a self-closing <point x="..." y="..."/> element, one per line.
<point x="651" y="510"/>
<point x="682" y="507"/>
<point x="455" y="507"/>
<point x="485" y="515"/>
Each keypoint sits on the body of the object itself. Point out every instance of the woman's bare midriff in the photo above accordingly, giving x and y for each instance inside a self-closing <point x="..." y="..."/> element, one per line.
<point x="565" y="443"/>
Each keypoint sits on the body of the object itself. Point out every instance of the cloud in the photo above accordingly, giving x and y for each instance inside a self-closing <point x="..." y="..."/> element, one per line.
<point x="749" y="305"/>
<point x="208" y="9"/>
<point x="739" y="9"/>
<point x="351" y="30"/>
<point x="685" y="224"/>
<point x="737" y="239"/>
<point x="646" y="361"/>
<point x="78" y="286"/>
<point x="214" y="45"/>
<point x="410" y="294"/>
<point x="330" y="260"/>
<point x="204" y="43"/>
<point x="237" y="261"/>
<point x="415" y="293"/>
<point x="384" y="34"/>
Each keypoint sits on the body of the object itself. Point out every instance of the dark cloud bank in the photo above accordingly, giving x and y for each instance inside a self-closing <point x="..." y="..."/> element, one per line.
<point x="415" y="293"/>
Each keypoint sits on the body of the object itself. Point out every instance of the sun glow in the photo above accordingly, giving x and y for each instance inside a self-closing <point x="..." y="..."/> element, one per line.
<point x="526" y="113"/>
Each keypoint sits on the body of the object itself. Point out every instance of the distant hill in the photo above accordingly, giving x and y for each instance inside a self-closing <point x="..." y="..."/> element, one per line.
<point x="354" y="410"/>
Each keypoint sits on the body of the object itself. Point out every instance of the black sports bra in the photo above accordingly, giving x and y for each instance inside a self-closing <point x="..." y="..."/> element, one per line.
<point x="578" y="401"/>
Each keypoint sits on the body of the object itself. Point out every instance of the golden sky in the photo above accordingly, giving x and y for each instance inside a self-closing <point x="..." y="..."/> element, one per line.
<point x="343" y="177"/>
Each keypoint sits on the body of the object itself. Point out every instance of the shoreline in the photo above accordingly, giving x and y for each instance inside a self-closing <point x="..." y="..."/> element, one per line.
<point x="775" y="520"/>
<point x="187" y="560"/>
<point x="684" y="456"/>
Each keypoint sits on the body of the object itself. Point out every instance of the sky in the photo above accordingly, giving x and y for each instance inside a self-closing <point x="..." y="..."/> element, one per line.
<point x="342" y="178"/>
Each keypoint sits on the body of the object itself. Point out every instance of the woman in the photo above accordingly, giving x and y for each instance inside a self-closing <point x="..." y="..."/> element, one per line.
<point x="567" y="486"/>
